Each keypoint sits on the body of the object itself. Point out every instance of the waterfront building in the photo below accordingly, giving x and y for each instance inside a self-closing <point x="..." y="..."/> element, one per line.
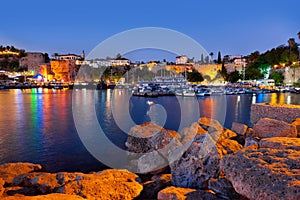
<point x="31" y="61"/>
<point x="181" y="60"/>
<point x="64" y="70"/>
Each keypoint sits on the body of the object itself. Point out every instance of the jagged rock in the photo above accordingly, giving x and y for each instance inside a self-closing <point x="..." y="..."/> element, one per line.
<point x="249" y="141"/>
<point x="156" y="184"/>
<point x="296" y="123"/>
<point x="267" y="127"/>
<point x="108" y="184"/>
<point x="152" y="163"/>
<point x="44" y="197"/>
<point x="190" y="132"/>
<point x="149" y="137"/>
<point x="148" y="142"/>
<point x="46" y="182"/>
<point x="176" y="193"/>
<point x="239" y="128"/>
<point x="17" y="191"/>
<point x="209" y="124"/>
<point x="280" y="143"/>
<point x="200" y="161"/>
<point x="264" y="173"/>
<point x="2" y="182"/>
<point x="9" y="170"/>
<point x="223" y="188"/>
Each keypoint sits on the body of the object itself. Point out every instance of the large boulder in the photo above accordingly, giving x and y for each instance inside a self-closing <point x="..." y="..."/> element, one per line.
<point x="223" y="188"/>
<point x="280" y="143"/>
<point x="267" y="127"/>
<point x="148" y="137"/>
<point x="156" y="184"/>
<point x="240" y="129"/>
<point x="296" y="123"/>
<point x="44" y="197"/>
<point x="150" y="146"/>
<point x="264" y="173"/>
<point x="282" y="112"/>
<point x="108" y="184"/>
<point x="9" y="170"/>
<point x="200" y="161"/>
<point x="176" y="193"/>
<point x="46" y="182"/>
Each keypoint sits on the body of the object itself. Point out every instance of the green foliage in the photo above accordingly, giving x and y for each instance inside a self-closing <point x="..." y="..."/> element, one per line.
<point x="277" y="77"/>
<point x="234" y="76"/>
<point x="194" y="76"/>
<point x="223" y="72"/>
<point x="252" y="73"/>
<point x="3" y="77"/>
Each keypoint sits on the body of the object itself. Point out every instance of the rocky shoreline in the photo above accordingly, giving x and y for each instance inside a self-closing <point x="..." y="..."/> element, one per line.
<point x="203" y="161"/>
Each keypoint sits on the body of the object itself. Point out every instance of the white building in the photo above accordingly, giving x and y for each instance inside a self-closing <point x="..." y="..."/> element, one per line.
<point x="181" y="60"/>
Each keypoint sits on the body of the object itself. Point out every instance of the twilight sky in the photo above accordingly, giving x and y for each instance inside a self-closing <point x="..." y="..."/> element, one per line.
<point x="233" y="27"/>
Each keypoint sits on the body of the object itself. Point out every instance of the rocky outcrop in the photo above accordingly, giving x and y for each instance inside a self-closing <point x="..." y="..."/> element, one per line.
<point x="199" y="162"/>
<point x="156" y="184"/>
<point x="45" y="197"/>
<point x="108" y="184"/>
<point x="296" y="123"/>
<point x="1" y="186"/>
<point x="264" y="173"/>
<point x="280" y="143"/>
<point x="267" y="127"/>
<point x="176" y="193"/>
<point x="10" y="170"/>
<point x="282" y="112"/>
<point x="240" y="129"/>
<point x="46" y="182"/>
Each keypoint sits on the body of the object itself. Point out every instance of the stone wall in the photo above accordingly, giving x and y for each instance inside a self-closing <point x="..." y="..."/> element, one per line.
<point x="283" y="112"/>
<point x="32" y="60"/>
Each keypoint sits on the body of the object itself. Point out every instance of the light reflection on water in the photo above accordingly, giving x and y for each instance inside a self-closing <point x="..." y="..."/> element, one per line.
<point x="37" y="125"/>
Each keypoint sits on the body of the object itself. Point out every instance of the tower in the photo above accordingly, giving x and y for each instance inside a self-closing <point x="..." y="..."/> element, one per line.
<point x="82" y="55"/>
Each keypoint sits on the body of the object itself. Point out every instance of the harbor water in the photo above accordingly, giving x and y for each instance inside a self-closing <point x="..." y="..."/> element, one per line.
<point x="37" y="125"/>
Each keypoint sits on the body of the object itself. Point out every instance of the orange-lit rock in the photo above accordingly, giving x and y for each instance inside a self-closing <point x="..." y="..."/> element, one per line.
<point x="264" y="173"/>
<point x="239" y="128"/>
<point x="297" y="124"/>
<point x="156" y="184"/>
<point x="10" y="170"/>
<point x="45" y="197"/>
<point x="1" y="186"/>
<point x="223" y="188"/>
<point x="156" y="144"/>
<point x="280" y="143"/>
<point x="176" y="193"/>
<point x="46" y="182"/>
<point x="267" y="127"/>
<point x="200" y="161"/>
<point x="108" y="184"/>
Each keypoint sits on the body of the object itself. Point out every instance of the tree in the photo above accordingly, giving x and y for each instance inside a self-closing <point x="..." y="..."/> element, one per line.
<point x="223" y="71"/>
<point x="253" y="74"/>
<point x="194" y="76"/>
<point x="219" y="58"/>
<point x="118" y="56"/>
<point x="298" y="35"/>
<point x="234" y="76"/>
<point x="277" y="77"/>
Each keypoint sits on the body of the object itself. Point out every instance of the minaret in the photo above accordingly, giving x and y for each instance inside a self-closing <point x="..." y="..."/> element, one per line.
<point x="82" y="55"/>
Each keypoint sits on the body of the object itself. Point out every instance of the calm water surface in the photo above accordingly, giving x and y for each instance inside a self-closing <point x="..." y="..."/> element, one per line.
<point x="37" y="125"/>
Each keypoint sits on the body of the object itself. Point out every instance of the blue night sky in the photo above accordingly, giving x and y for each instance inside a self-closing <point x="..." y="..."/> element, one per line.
<point x="232" y="27"/>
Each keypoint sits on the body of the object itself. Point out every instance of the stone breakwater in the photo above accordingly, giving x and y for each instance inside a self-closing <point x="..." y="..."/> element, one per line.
<point x="203" y="161"/>
<point x="282" y="112"/>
